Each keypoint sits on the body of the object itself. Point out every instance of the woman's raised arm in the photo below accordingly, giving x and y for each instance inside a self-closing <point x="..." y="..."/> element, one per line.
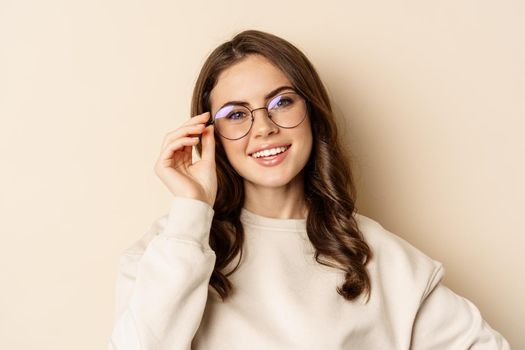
<point x="161" y="294"/>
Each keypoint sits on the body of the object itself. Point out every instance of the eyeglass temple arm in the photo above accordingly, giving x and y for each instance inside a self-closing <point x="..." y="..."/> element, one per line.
<point x="209" y="122"/>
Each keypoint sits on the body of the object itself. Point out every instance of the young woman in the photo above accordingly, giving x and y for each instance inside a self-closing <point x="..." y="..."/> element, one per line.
<point x="262" y="247"/>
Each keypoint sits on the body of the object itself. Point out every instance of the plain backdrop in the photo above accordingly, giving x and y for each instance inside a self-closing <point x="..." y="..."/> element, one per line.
<point x="429" y="97"/>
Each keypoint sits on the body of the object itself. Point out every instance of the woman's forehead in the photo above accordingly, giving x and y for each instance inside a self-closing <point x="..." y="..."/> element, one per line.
<point x="248" y="80"/>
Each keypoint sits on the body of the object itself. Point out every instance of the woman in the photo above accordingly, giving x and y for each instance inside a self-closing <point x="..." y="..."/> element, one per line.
<point x="262" y="247"/>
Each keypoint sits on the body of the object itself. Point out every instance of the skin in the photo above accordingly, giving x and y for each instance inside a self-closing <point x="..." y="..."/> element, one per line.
<point x="278" y="191"/>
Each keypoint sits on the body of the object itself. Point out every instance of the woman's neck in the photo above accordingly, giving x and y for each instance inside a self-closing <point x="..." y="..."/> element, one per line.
<point x="284" y="202"/>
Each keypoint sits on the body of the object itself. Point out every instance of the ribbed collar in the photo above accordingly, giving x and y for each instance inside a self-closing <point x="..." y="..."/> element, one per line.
<point x="250" y="218"/>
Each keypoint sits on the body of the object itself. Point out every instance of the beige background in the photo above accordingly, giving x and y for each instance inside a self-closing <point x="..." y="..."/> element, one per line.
<point x="431" y="100"/>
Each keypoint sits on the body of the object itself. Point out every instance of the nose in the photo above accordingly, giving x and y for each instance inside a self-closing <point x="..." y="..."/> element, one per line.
<point x="262" y="125"/>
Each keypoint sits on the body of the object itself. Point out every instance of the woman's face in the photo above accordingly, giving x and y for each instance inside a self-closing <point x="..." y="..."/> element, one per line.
<point x="250" y="80"/>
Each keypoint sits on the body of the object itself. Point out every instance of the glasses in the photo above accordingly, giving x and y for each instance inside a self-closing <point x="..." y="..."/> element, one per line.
<point x="233" y="122"/>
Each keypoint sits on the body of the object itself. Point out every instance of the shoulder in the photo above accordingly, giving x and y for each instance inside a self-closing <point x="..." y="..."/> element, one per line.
<point x="396" y="263"/>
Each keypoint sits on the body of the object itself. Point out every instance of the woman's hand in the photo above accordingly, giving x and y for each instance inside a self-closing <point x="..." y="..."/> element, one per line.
<point x="174" y="165"/>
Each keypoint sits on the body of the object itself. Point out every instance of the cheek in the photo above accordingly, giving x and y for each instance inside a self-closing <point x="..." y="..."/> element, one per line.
<point x="307" y="149"/>
<point x="235" y="151"/>
<point x="305" y="135"/>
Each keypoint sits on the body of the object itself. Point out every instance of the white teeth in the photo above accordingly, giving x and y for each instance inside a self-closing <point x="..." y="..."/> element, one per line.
<point x="269" y="152"/>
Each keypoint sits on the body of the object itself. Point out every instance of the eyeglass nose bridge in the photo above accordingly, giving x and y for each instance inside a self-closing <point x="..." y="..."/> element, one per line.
<point x="256" y="109"/>
<point x="253" y="118"/>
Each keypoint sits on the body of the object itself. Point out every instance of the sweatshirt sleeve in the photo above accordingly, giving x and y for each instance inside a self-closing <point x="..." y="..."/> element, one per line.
<point x="446" y="320"/>
<point x="161" y="293"/>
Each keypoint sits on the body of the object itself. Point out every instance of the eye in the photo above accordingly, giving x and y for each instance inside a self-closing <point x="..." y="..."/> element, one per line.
<point x="281" y="101"/>
<point x="232" y="113"/>
<point x="284" y="102"/>
<point x="236" y="115"/>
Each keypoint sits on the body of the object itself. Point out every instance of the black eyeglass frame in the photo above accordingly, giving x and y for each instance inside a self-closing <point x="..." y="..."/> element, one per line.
<point x="307" y="109"/>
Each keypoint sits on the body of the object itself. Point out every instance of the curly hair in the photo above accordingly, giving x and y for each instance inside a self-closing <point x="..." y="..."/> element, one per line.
<point x="328" y="184"/>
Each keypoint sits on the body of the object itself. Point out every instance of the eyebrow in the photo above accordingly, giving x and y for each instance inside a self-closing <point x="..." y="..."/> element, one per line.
<point x="266" y="97"/>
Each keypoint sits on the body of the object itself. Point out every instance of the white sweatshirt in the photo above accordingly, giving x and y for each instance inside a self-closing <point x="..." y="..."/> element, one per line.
<point x="283" y="298"/>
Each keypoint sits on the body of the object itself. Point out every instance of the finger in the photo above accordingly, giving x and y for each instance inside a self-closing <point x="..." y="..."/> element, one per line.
<point x="175" y="146"/>
<point x="187" y="157"/>
<point x="187" y="130"/>
<point x="198" y="119"/>
<point x="208" y="143"/>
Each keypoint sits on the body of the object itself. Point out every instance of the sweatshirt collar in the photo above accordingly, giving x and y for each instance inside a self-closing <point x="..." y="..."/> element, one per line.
<point x="276" y="224"/>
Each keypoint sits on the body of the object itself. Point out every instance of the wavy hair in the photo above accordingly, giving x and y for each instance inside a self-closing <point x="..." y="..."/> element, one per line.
<point x="328" y="184"/>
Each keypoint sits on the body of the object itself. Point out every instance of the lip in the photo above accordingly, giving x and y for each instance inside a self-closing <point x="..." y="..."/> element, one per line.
<point x="274" y="160"/>
<point x="264" y="147"/>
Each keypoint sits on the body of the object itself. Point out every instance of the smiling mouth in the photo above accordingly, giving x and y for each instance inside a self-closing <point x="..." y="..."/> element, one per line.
<point x="271" y="155"/>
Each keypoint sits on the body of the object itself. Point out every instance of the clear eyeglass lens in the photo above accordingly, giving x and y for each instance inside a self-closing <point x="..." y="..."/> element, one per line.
<point x="286" y="110"/>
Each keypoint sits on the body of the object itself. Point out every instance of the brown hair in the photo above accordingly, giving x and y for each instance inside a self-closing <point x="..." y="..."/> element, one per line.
<point x="328" y="185"/>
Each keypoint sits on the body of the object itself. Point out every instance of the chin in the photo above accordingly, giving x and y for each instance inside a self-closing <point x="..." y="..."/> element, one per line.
<point x="274" y="180"/>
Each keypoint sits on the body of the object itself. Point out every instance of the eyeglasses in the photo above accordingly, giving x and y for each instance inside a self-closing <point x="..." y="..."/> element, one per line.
<point x="233" y="122"/>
